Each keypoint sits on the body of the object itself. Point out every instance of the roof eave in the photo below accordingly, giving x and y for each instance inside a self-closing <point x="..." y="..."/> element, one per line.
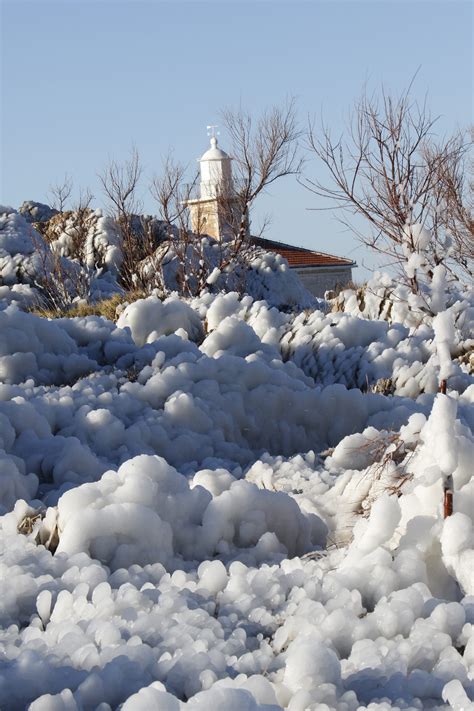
<point x="334" y="265"/>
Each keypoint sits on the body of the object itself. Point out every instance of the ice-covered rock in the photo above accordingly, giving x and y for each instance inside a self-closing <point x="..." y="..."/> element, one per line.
<point x="34" y="211"/>
<point x="24" y="256"/>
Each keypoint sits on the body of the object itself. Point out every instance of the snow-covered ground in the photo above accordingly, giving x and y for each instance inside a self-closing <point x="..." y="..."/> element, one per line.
<point x="219" y="504"/>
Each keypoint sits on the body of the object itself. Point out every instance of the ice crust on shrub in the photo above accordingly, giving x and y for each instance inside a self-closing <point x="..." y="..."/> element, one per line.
<point x="150" y="318"/>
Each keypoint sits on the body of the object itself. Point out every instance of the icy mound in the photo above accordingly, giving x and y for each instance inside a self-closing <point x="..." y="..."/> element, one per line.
<point x="56" y="351"/>
<point x="173" y="410"/>
<point x="35" y="347"/>
<point x="223" y="403"/>
<point x="16" y="235"/>
<point x="31" y="274"/>
<point x="15" y="484"/>
<point x="270" y="278"/>
<point x="327" y="631"/>
<point x="23" y="295"/>
<point x="146" y="513"/>
<point x="150" y="318"/>
<point x="210" y="518"/>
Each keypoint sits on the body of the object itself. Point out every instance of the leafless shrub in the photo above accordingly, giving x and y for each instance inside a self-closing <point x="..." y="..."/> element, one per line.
<point x="74" y="225"/>
<point x="388" y="472"/>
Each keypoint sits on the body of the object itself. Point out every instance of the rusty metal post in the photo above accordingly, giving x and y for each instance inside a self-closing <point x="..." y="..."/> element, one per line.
<point x="448" y="496"/>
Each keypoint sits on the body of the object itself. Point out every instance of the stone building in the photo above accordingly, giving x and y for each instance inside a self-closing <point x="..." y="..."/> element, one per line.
<point x="216" y="213"/>
<point x="319" y="272"/>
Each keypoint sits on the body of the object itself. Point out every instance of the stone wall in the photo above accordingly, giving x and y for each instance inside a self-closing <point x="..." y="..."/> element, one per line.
<point x="318" y="280"/>
<point x="215" y="218"/>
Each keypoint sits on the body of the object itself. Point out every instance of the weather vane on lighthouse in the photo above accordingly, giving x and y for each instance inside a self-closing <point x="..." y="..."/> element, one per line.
<point x="212" y="131"/>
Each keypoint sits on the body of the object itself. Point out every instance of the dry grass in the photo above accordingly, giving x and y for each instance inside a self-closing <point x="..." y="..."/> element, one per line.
<point x="384" y="386"/>
<point x="338" y="301"/>
<point x="387" y="449"/>
<point x="27" y="524"/>
<point x="465" y="356"/>
<point x="350" y="285"/>
<point x="32" y="521"/>
<point x="106" y="308"/>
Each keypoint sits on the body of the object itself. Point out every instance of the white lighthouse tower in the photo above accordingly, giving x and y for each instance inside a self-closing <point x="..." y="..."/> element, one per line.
<point x="215" y="211"/>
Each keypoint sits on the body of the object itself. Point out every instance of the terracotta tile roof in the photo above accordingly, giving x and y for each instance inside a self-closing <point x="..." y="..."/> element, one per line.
<point x="301" y="257"/>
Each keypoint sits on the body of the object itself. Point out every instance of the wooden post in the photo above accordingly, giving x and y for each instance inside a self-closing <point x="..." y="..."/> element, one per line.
<point x="442" y="387"/>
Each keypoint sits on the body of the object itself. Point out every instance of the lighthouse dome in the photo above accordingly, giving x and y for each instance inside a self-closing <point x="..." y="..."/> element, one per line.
<point x="214" y="153"/>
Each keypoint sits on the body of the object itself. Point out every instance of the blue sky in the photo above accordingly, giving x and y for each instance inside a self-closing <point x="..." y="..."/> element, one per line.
<point x="82" y="81"/>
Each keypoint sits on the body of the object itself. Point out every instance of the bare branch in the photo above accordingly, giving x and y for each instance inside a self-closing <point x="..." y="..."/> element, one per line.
<point x="60" y="193"/>
<point x="120" y="183"/>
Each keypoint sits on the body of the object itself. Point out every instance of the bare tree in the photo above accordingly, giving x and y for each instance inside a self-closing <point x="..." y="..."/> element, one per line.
<point x="389" y="171"/>
<point x="172" y="193"/>
<point x="264" y="151"/>
<point x="60" y="193"/>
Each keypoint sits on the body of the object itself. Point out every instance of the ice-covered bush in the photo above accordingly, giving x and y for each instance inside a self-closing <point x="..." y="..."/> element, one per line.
<point x="206" y="264"/>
